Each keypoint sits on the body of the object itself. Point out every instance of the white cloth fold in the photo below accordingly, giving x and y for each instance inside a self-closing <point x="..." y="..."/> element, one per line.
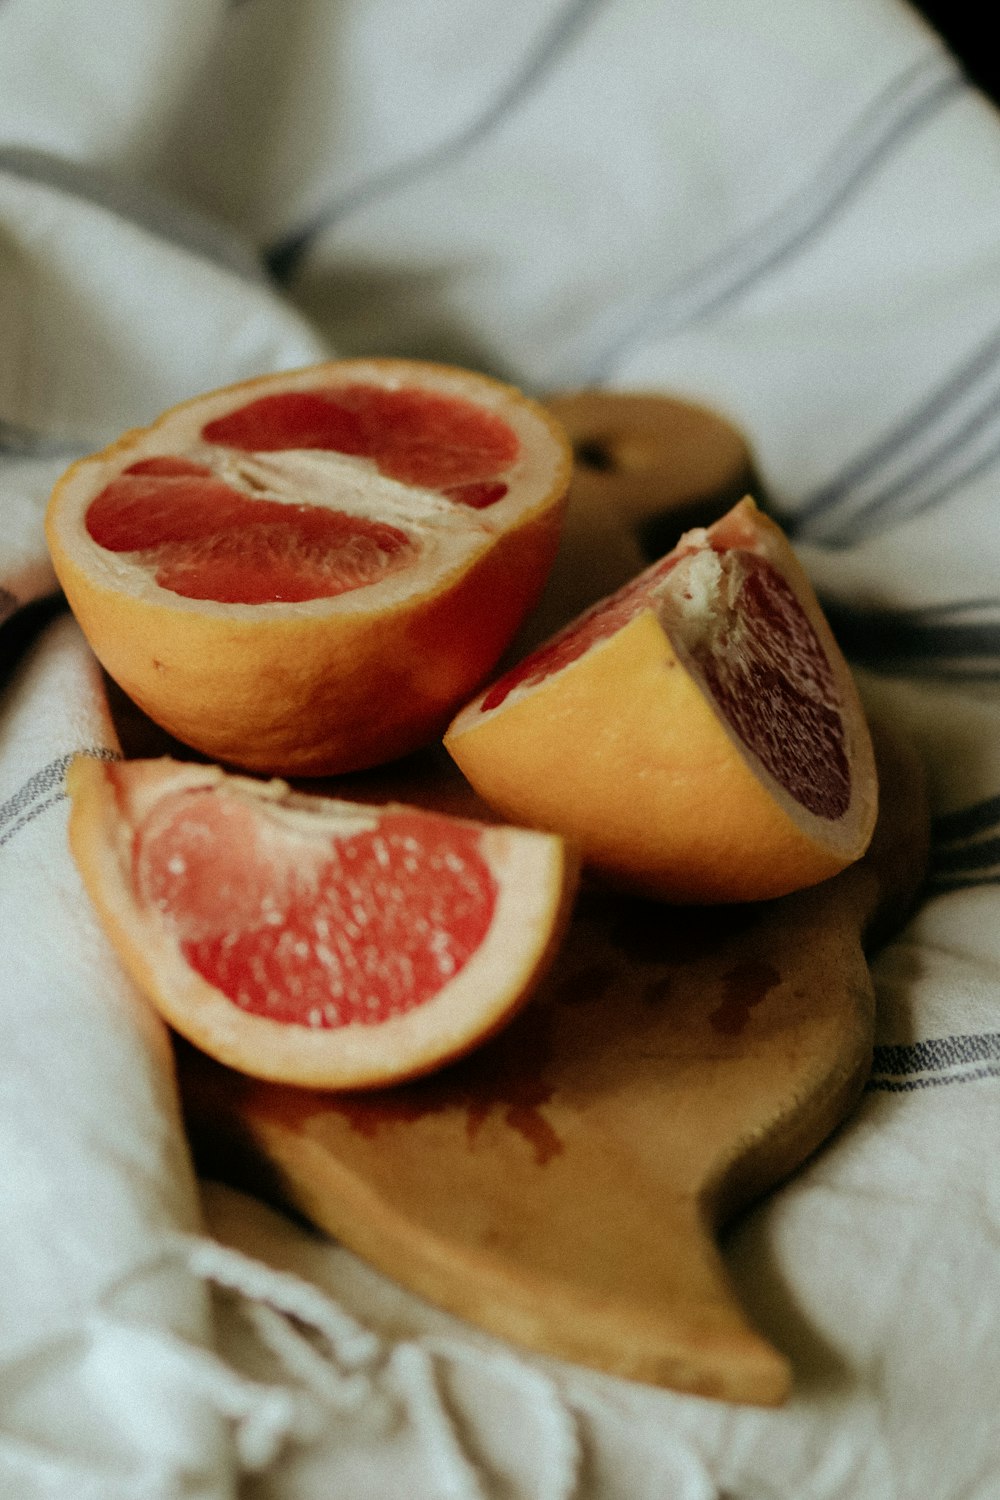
<point x="791" y="212"/>
<point x="95" y="1172"/>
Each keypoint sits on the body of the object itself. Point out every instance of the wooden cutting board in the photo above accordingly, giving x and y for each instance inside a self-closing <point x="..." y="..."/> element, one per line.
<point x="564" y="1186"/>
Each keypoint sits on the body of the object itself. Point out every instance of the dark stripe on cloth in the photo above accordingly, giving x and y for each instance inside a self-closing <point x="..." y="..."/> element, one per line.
<point x="936" y="1062"/>
<point x="18" y="441"/>
<point x="965" y="848"/>
<point x="936" y="408"/>
<point x="909" y="1085"/>
<point x="876" y="518"/>
<point x="966" y="822"/>
<point x="42" y="790"/>
<point x="168" y="220"/>
<point x="922" y="641"/>
<point x="903" y="105"/>
<point x="285" y="256"/>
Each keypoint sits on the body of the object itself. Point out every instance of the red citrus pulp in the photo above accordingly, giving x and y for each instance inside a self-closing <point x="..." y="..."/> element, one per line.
<point x="697" y="733"/>
<point x="310" y="572"/>
<point x="310" y="940"/>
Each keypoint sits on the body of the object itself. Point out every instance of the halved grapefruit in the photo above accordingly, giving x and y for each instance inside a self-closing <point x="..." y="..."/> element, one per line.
<point x="697" y="734"/>
<point x="308" y="573"/>
<point x="309" y="940"/>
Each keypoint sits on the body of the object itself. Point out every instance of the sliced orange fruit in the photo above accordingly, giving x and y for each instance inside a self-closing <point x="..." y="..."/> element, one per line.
<point x="309" y="940"/>
<point x="697" y="734"/>
<point x="309" y="572"/>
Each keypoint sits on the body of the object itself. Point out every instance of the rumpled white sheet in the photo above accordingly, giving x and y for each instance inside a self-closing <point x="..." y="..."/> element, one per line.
<point x="790" y="211"/>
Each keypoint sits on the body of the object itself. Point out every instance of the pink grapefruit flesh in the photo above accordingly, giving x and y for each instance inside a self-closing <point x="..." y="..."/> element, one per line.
<point x="371" y="927"/>
<point x="210" y="540"/>
<point x="309" y="573"/>
<point x="712" y="742"/>
<point x="312" y="940"/>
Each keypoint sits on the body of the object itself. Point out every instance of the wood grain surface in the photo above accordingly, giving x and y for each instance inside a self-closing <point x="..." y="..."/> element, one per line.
<point x="564" y="1186"/>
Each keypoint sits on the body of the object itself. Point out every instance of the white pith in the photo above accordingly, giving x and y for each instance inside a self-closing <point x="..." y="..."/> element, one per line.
<point x="694" y="605"/>
<point x="694" y="598"/>
<point x="338" y="481"/>
<point x="298" y="813"/>
<point x="530" y="873"/>
<point x="687" y="607"/>
<point x="446" y="534"/>
<point x="697" y="605"/>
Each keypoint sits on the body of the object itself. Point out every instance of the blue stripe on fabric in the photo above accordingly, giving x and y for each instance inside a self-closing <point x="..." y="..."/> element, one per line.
<point x="42" y="790"/>
<point x="36" y="809"/>
<point x="955" y="482"/>
<point x="978" y="856"/>
<point x="965" y="847"/>
<point x="904" y="104"/>
<point x="966" y="822"/>
<point x="936" y="1063"/>
<point x="936" y="1053"/>
<point x="984" y="416"/>
<point x="285" y="256"/>
<point x="958" y="480"/>
<point x="910" y="1085"/>
<point x="945" y="885"/>
<point x="941" y="641"/>
<point x="17" y="441"/>
<point x="902" y="500"/>
<point x="931" y="410"/>
<point x="167" y="220"/>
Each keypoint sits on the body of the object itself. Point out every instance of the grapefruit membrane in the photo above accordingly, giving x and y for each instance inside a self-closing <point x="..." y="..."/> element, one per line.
<point x="309" y="940"/>
<point x="309" y="572"/>
<point x="697" y="734"/>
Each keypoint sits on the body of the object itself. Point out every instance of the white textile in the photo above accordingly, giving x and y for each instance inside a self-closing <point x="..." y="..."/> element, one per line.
<point x="789" y="211"/>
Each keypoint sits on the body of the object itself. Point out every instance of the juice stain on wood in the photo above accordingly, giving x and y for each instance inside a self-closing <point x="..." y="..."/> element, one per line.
<point x="494" y="1078"/>
<point x="745" y="985"/>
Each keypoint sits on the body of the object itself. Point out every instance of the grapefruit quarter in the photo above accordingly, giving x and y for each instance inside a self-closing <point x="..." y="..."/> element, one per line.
<point x="697" y="734"/>
<point x="308" y="940"/>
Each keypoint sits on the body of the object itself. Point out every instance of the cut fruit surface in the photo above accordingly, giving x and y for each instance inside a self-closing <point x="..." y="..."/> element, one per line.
<point x="309" y="572"/>
<point x="309" y="940"/>
<point x="698" y="733"/>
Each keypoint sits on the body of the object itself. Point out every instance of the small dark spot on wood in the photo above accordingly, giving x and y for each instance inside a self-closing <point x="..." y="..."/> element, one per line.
<point x="744" y="986"/>
<point x="595" y="455"/>
<point x="506" y="1075"/>
<point x="584" y="986"/>
<point x="657" y="991"/>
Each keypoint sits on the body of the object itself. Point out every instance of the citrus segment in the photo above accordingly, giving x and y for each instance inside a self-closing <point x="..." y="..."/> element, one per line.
<point x="578" y="637"/>
<point x="371" y="927"/>
<point x="418" y="437"/>
<point x="698" y="733"/>
<point x="312" y="940"/>
<point x="308" y="573"/>
<point x="769" y="676"/>
<point x="205" y="540"/>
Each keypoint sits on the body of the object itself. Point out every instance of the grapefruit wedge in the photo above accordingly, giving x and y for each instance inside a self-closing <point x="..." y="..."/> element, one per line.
<point x="308" y="573"/>
<point x="308" y="940"/>
<point x="697" y="734"/>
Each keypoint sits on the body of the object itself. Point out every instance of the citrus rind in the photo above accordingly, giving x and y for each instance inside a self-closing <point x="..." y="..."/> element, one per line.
<point x="112" y="803"/>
